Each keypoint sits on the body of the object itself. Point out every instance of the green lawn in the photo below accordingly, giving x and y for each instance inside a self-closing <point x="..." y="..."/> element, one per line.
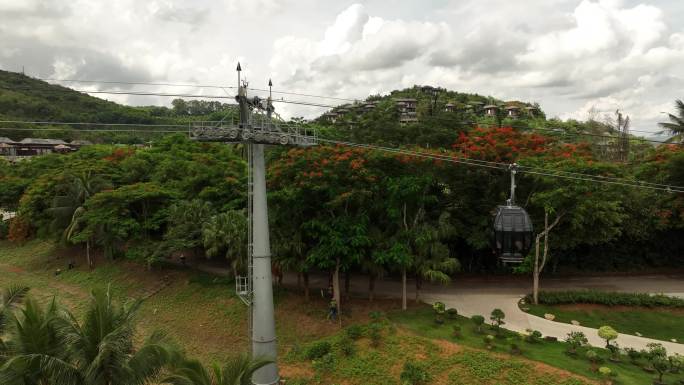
<point x="662" y="324"/>
<point x="551" y="353"/>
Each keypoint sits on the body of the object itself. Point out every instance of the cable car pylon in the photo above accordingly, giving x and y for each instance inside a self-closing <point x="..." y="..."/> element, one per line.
<point x="256" y="129"/>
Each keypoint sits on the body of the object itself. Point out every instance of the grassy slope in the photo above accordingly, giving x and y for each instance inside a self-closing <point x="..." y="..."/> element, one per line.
<point x="447" y="362"/>
<point x="203" y="315"/>
<point x="662" y="324"/>
<point x="551" y="353"/>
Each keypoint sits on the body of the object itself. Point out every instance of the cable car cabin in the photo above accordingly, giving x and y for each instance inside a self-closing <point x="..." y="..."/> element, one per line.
<point x="513" y="234"/>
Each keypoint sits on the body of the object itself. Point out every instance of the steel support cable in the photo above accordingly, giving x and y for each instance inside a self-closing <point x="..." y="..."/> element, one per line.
<point x="91" y="130"/>
<point x="194" y="86"/>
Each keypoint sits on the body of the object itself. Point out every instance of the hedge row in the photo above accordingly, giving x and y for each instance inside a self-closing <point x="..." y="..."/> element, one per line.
<point x="607" y="298"/>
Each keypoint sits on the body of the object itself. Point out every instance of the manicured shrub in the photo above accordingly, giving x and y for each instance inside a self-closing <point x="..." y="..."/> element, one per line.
<point x="415" y="373"/>
<point x="488" y="340"/>
<point x="452" y="313"/>
<point x="608" y="334"/>
<point x="354" y="332"/>
<point x="497" y="317"/>
<point x="439" y="309"/>
<point x="533" y="336"/>
<point x="593" y="358"/>
<point x="576" y="340"/>
<point x="318" y="350"/>
<point x="607" y="298"/>
<point x="676" y="363"/>
<point x="457" y="331"/>
<point x="633" y="355"/>
<point x="478" y="320"/>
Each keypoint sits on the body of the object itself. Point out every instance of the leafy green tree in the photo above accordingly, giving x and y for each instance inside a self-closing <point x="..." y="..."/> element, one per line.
<point x="128" y="213"/>
<point x="237" y="371"/>
<point x="226" y="234"/>
<point x="186" y="219"/>
<point x="68" y="208"/>
<point x="676" y="124"/>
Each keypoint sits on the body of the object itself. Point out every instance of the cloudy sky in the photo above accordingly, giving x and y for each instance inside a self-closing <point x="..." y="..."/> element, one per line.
<point x="568" y="55"/>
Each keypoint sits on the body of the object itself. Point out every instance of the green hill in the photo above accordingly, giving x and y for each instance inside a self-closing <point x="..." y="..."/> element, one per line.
<point x="23" y="98"/>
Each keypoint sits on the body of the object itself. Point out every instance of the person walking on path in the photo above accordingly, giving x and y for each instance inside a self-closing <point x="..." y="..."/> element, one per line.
<point x="332" y="310"/>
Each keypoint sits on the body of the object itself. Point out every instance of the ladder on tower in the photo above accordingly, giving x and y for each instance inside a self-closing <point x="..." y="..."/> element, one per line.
<point x="244" y="284"/>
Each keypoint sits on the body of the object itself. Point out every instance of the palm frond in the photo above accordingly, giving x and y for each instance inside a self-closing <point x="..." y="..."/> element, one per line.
<point x="239" y="370"/>
<point x="13" y="295"/>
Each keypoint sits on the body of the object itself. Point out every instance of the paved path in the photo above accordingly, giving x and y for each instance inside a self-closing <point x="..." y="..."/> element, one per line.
<point x="480" y="295"/>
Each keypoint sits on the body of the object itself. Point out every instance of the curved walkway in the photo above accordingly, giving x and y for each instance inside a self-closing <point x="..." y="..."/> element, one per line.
<point x="517" y="320"/>
<point x="473" y="296"/>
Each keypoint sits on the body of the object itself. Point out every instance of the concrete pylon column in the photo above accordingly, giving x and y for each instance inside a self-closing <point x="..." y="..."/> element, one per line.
<point x="263" y="317"/>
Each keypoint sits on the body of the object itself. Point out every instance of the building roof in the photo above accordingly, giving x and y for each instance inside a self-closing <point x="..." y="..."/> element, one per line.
<point x="81" y="142"/>
<point x="488" y="106"/>
<point x="6" y="140"/>
<point x="50" y="142"/>
<point x="476" y="103"/>
<point x="512" y="108"/>
<point x="62" y="147"/>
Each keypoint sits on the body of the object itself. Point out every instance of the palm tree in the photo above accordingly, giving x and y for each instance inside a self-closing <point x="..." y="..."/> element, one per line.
<point x="431" y="255"/>
<point x="676" y="124"/>
<point x="34" y="349"/>
<point x="68" y="209"/>
<point x="237" y="371"/>
<point x="9" y="298"/>
<point x="226" y="233"/>
<point x="101" y="348"/>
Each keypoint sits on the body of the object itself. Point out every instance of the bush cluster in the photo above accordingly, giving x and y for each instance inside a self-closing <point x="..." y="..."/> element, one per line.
<point x="607" y="298"/>
<point x="415" y="373"/>
<point x="318" y="350"/>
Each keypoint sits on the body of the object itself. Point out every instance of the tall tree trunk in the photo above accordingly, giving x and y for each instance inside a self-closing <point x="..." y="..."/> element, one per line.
<point x="371" y="287"/>
<point x="539" y="265"/>
<point x="347" y="282"/>
<point x="305" y="275"/>
<point x="419" y="285"/>
<point x="403" y="289"/>
<point x="299" y="280"/>
<point x="535" y="273"/>
<point x="90" y="262"/>
<point x="336" y="289"/>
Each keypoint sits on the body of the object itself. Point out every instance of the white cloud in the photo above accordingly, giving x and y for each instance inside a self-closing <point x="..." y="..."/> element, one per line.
<point x="568" y="55"/>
